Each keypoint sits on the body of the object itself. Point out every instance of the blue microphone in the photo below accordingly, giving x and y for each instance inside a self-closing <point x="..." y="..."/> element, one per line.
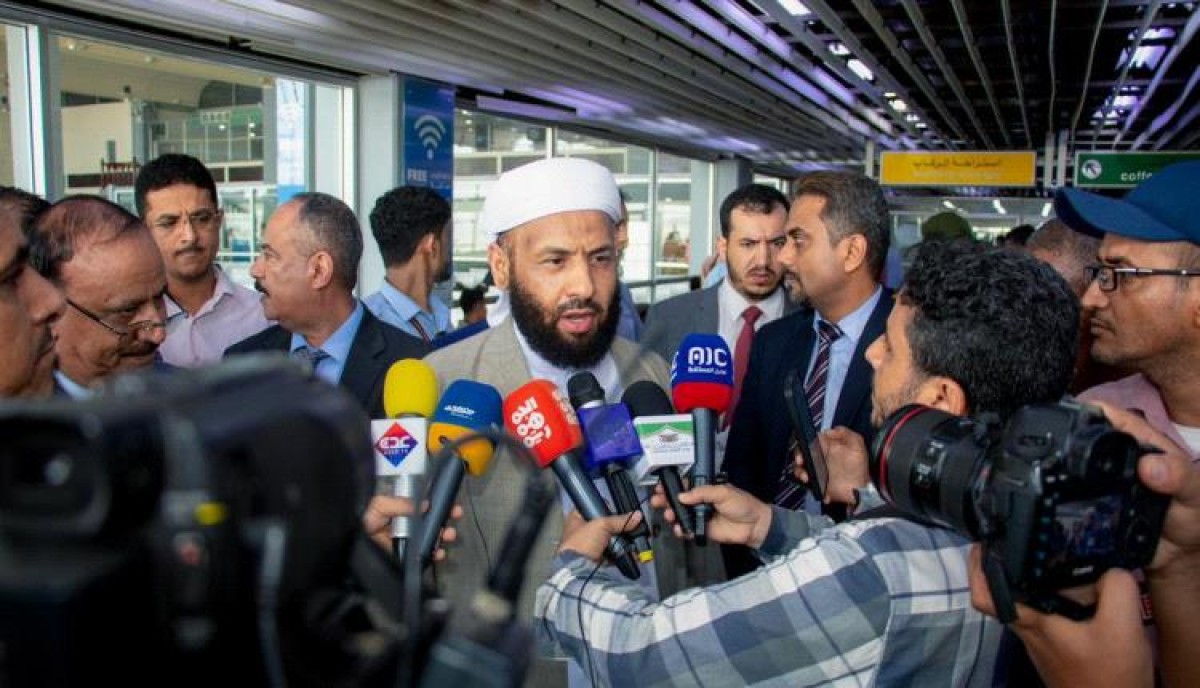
<point x="702" y="384"/>
<point x="612" y="444"/>
<point x="466" y="407"/>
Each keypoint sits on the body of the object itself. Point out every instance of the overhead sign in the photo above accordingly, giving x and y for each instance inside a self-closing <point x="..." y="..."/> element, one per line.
<point x="960" y="168"/>
<point x="1123" y="170"/>
<point x="429" y="136"/>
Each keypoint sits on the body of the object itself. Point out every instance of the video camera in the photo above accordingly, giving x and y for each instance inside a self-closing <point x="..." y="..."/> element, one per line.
<point x="186" y="527"/>
<point x="1053" y="495"/>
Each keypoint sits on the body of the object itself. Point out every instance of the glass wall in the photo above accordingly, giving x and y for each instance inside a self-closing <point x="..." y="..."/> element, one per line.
<point x="123" y="105"/>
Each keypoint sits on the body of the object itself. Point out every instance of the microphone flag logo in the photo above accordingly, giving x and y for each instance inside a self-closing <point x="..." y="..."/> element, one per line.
<point x="396" y="444"/>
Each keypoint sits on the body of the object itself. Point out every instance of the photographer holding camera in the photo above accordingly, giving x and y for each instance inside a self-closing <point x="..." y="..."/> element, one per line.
<point x="1111" y="648"/>
<point x="884" y="599"/>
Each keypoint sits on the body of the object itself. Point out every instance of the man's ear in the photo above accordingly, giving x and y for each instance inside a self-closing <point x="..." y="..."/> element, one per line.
<point x="500" y="265"/>
<point x="854" y="251"/>
<point x="944" y="394"/>
<point x="320" y="270"/>
<point x="722" y="245"/>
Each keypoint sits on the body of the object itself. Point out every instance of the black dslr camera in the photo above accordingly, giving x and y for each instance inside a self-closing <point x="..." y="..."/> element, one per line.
<point x="1053" y="495"/>
<point x="183" y="528"/>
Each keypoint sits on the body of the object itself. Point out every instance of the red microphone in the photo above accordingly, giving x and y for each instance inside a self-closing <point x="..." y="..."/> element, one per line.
<point x="540" y="416"/>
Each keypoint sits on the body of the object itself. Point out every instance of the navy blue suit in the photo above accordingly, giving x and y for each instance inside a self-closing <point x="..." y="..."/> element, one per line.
<point x="761" y="431"/>
<point x="376" y="347"/>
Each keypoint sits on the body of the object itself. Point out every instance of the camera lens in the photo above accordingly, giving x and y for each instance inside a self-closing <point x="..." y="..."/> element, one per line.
<point x="929" y="463"/>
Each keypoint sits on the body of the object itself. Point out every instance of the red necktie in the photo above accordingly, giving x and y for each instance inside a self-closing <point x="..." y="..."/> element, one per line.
<point x="741" y="357"/>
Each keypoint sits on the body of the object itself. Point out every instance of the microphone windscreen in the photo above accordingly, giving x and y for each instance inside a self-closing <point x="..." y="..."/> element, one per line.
<point x="410" y="389"/>
<point x="702" y="374"/>
<point x="539" y="415"/>
<point x="644" y="398"/>
<point x="584" y="388"/>
<point x="466" y="406"/>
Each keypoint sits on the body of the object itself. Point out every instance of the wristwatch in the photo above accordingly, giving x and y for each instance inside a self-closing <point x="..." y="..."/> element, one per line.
<point x="866" y="498"/>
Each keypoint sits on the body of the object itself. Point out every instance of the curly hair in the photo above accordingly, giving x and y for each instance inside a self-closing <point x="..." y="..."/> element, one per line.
<point x="402" y="217"/>
<point x="1000" y="323"/>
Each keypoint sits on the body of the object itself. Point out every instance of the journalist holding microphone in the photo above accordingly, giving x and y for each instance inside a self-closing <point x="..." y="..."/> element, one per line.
<point x="885" y="600"/>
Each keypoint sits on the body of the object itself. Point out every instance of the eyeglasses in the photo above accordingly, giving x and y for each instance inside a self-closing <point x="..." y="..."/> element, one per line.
<point x="1109" y="277"/>
<point x="126" y="331"/>
<point x="201" y="219"/>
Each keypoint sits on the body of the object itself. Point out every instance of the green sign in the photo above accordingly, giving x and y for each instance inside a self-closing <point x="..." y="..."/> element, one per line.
<point x="1123" y="170"/>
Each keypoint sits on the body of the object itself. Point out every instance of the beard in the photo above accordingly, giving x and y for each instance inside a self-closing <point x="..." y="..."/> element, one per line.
<point x="539" y="329"/>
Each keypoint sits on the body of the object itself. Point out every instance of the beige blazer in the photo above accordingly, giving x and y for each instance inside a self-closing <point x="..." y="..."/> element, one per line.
<point x="494" y="356"/>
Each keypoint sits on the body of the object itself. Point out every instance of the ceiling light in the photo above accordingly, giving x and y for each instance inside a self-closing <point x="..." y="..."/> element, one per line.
<point x="898" y="105"/>
<point x="948" y="205"/>
<point x="795" y="8"/>
<point x="839" y="49"/>
<point x="856" y="65"/>
<point x="1046" y="209"/>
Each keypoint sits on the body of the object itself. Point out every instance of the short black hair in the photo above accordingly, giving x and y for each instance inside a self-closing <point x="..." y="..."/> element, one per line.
<point x="402" y="217"/>
<point x="755" y="198"/>
<point x="23" y="207"/>
<point x="1000" y="323"/>
<point x="854" y="204"/>
<point x="333" y="228"/>
<point x="471" y="296"/>
<point x="169" y="170"/>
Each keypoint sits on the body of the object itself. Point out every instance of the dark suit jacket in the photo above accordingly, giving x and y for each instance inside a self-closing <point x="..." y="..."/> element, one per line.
<point x="376" y="347"/>
<point x="668" y="322"/>
<point x="756" y="451"/>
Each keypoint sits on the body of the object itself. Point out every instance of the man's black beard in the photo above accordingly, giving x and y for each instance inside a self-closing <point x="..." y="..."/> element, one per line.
<point x="545" y="339"/>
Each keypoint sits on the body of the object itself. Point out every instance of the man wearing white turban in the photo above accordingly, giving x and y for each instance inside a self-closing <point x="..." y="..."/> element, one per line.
<point x="552" y="225"/>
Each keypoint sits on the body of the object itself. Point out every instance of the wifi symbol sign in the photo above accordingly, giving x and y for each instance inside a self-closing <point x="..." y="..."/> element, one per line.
<point x="430" y="130"/>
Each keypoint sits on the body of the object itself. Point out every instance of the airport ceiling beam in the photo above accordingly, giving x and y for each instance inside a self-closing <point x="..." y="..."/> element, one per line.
<point x="1109" y="105"/>
<point x="918" y="19"/>
<point x="1181" y="42"/>
<point x="964" y="25"/>
<point x="1006" y="13"/>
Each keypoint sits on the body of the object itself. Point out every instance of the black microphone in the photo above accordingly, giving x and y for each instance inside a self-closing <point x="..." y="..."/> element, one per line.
<point x="490" y="647"/>
<point x="611" y="441"/>
<point x="465" y="408"/>
<point x="668" y="445"/>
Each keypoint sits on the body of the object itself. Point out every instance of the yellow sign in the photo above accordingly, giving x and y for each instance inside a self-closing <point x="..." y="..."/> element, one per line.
<point x="961" y="168"/>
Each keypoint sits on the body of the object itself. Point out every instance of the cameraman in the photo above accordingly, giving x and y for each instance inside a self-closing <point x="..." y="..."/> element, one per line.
<point x="882" y="600"/>
<point x="1111" y="648"/>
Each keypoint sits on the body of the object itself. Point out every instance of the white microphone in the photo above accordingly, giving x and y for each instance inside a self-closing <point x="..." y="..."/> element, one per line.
<point x="401" y="443"/>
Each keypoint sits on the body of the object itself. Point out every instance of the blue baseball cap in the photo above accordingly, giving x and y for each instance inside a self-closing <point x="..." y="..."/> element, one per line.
<point x="1165" y="207"/>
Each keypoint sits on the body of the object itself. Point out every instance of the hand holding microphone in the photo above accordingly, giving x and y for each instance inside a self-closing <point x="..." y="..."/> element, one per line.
<point x="702" y="384"/>
<point x="539" y="416"/>
<point x="409" y="397"/>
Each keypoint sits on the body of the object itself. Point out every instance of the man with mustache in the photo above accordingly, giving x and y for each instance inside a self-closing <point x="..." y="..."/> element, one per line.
<point x="307" y="272"/>
<point x="1144" y="298"/>
<point x="752" y="234"/>
<point x="29" y="304"/>
<point x="553" y="229"/>
<point x="105" y="263"/>
<point x="206" y="310"/>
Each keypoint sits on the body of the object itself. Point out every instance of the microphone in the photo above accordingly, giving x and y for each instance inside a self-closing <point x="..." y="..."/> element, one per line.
<point x="668" y="445"/>
<point x="409" y="397"/>
<point x="466" y="407"/>
<point x="538" y="415"/>
<point x="702" y="384"/>
<point x="611" y="442"/>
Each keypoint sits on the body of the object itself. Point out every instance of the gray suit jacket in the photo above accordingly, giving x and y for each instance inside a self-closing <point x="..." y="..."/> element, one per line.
<point x="668" y="322"/>
<point x="494" y="356"/>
